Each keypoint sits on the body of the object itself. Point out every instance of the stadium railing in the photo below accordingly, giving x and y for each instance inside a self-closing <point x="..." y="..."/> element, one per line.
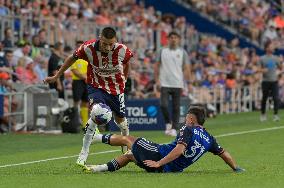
<point x="224" y="100"/>
<point x="18" y="118"/>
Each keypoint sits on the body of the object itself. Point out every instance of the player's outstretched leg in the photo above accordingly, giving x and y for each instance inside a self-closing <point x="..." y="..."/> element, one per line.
<point x="100" y="114"/>
<point x="88" y="137"/>
<point x="111" y="166"/>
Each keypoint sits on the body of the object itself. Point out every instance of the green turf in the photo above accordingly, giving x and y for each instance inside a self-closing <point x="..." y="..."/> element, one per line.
<point x="260" y="153"/>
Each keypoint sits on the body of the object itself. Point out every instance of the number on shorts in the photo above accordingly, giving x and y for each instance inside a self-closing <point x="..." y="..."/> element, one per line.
<point x="121" y="103"/>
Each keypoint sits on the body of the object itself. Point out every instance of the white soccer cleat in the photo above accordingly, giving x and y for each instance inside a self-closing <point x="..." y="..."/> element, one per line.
<point x="263" y="118"/>
<point x="276" y="118"/>
<point x="81" y="161"/>
<point x="171" y="132"/>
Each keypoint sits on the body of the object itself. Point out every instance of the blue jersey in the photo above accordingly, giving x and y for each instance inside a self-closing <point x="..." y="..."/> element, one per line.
<point x="197" y="142"/>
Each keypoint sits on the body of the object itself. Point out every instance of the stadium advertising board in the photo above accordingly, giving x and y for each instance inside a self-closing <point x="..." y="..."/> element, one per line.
<point x="146" y="114"/>
<point x="143" y="115"/>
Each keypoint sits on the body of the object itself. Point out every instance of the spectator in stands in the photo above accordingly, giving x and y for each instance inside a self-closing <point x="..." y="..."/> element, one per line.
<point x="54" y="63"/>
<point x="172" y="64"/>
<point x="3" y="61"/>
<point x="4" y="11"/>
<point x="22" y="51"/>
<point x="269" y="64"/>
<point x="230" y="92"/>
<point x="1" y="49"/>
<point x="6" y="87"/>
<point x="8" y="34"/>
<point x="269" y="34"/>
<point x="40" y="68"/>
<point x="279" y="20"/>
<point x="249" y="17"/>
<point x="42" y="39"/>
<point x="24" y="71"/>
<point x="35" y="51"/>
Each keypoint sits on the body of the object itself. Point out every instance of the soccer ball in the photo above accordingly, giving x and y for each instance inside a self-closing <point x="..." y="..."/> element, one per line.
<point x="101" y="114"/>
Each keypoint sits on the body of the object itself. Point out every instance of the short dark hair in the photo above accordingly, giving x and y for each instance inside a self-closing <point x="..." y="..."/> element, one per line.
<point x="199" y="112"/>
<point x="67" y="48"/>
<point x="79" y="42"/>
<point x="109" y="32"/>
<point x="174" y="33"/>
<point x="267" y="44"/>
<point x="57" y="45"/>
<point x="8" y="51"/>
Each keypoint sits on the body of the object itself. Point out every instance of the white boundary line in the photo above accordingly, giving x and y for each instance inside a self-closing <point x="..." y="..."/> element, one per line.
<point x="55" y="158"/>
<point x="251" y="131"/>
<point x="112" y="151"/>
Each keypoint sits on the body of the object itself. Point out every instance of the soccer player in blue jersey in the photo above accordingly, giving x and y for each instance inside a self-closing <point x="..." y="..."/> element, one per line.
<point x="190" y="144"/>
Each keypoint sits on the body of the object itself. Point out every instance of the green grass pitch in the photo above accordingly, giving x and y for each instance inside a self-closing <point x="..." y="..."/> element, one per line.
<point x="261" y="153"/>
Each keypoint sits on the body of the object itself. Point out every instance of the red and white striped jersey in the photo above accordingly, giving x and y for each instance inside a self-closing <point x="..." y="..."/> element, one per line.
<point x="105" y="70"/>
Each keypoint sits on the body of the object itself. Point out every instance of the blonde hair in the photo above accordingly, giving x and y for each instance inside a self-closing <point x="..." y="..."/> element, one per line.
<point x="21" y="62"/>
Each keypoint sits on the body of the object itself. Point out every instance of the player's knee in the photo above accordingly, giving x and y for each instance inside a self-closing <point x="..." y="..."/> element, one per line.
<point x="101" y="114"/>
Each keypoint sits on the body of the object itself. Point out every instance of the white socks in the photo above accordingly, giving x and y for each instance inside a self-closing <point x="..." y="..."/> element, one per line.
<point x="87" y="140"/>
<point x="99" y="168"/>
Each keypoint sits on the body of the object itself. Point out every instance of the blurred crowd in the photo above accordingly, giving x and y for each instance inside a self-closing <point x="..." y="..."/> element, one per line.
<point x="260" y="20"/>
<point x="216" y="63"/>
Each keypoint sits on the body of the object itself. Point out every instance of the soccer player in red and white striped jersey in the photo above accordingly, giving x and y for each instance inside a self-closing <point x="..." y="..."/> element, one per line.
<point x="108" y="67"/>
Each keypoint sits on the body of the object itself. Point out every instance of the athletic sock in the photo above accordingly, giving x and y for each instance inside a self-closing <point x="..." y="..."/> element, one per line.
<point x="113" y="165"/>
<point x="84" y="112"/>
<point x="106" y="138"/>
<point x="88" y="137"/>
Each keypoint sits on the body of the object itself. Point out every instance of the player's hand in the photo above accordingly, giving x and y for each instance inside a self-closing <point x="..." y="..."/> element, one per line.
<point x="50" y="79"/>
<point x="239" y="169"/>
<point x="152" y="164"/>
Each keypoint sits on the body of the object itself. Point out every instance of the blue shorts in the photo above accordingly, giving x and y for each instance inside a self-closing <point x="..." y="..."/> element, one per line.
<point x="115" y="102"/>
<point x="142" y="150"/>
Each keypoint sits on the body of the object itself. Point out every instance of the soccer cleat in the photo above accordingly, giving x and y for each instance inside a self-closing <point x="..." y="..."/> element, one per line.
<point x="81" y="161"/>
<point x="95" y="168"/>
<point x="171" y="132"/>
<point x="263" y="118"/>
<point x="276" y="118"/>
<point x="167" y="132"/>
<point x="239" y="170"/>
